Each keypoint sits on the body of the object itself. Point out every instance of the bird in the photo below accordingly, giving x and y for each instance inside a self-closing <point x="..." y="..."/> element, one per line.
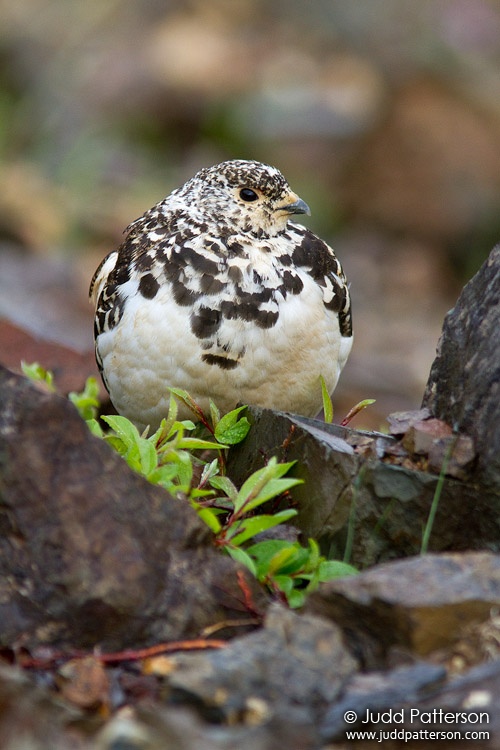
<point x="216" y="291"/>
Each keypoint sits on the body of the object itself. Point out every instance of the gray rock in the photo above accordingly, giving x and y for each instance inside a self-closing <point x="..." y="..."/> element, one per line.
<point x="325" y="461"/>
<point x="380" y="691"/>
<point x="464" y="383"/>
<point x="469" y="695"/>
<point x="90" y="552"/>
<point x="402" y="708"/>
<point x="347" y="484"/>
<point x="31" y="718"/>
<point x="293" y="667"/>
<point x="421" y="604"/>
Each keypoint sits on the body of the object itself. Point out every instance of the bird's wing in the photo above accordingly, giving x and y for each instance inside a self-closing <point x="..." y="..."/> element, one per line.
<point x="100" y="277"/>
<point x="322" y="264"/>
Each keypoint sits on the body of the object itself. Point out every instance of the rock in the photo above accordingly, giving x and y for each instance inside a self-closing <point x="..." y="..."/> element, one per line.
<point x="30" y="717"/>
<point x="410" y="700"/>
<point x="459" y="452"/>
<point x="475" y="694"/>
<point x="421" y="604"/>
<point x="423" y="436"/>
<point x="464" y="383"/>
<point x="380" y="691"/>
<point x="160" y="727"/>
<point x="401" y="421"/>
<point x="292" y="668"/>
<point x="325" y="461"/>
<point x="420" y="436"/>
<point x="90" y="552"/>
<point x="352" y="497"/>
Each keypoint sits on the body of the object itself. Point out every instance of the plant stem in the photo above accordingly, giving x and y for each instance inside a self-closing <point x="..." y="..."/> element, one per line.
<point x="352" y="515"/>
<point x="436" y="498"/>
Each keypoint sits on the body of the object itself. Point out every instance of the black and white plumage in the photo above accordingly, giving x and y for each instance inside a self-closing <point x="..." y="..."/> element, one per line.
<point x="216" y="291"/>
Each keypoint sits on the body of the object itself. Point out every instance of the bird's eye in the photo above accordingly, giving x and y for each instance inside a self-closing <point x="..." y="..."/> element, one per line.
<point x="248" y="195"/>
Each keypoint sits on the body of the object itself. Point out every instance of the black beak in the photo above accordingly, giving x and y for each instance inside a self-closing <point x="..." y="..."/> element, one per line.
<point x="299" y="207"/>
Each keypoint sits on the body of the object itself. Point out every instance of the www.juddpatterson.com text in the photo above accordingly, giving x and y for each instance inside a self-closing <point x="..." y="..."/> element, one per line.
<point x="415" y="715"/>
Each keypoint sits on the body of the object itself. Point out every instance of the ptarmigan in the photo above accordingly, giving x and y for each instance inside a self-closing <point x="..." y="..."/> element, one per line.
<point x="216" y="291"/>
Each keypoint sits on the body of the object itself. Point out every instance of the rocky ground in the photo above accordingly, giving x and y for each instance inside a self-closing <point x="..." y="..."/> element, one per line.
<point x="122" y="626"/>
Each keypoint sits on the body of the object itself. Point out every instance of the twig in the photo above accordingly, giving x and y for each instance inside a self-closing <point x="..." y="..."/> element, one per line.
<point x="247" y="595"/>
<point x="118" y="656"/>
<point x="230" y="624"/>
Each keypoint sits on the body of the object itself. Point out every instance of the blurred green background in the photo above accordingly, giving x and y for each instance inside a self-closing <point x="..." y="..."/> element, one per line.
<point x="384" y="115"/>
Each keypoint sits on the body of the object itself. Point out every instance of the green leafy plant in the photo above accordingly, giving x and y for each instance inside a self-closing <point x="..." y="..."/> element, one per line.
<point x="191" y="465"/>
<point x="293" y="571"/>
<point x="38" y="374"/>
<point x="240" y="523"/>
<point x="328" y="406"/>
<point x="87" y="402"/>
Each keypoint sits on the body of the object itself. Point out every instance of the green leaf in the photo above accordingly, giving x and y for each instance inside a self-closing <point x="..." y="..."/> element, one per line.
<point x="298" y="563"/>
<point x="167" y="423"/>
<point x="264" y="484"/>
<point x="288" y="560"/>
<point x="296" y="598"/>
<point x="230" y="430"/>
<point x="272" y="488"/>
<point x="195" y="493"/>
<point x="117" y="443"/>
<point x="225" y="485"/>
<point x="243" y="530"/>
<point x="314" y="556"/>
<point x="164" y="476"/>
<point x="86" y="402"/>
<point x="182" y="395"/>
<point x="214" y="414"/>
<point x="139" y="453"/>
<point x="188" y="401"/>
<point x="124" y="428"/>
<point x="330" y="569"/>
<point x="242" y="557"/>
<point x="147" y="456"/>
<point x="39" y="374"/>
<point x="185" y="469"/>
<point x="209" y="517"/>
<point x="285" y="584"/>
<point x="235" y="434"/>
<point x="187" y="424"/>
<point x="327" y="401"/>
<point x="160" y="434"/>
<point x="229" y="419"/>
<point x="263" y="552"/>
<point x="196" y="444"/>
<point x="209" y="470"/>
<point x="95" y="428"/>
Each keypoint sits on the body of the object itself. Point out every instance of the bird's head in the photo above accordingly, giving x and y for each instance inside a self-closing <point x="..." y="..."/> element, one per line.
<point x="249" y="196"/>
